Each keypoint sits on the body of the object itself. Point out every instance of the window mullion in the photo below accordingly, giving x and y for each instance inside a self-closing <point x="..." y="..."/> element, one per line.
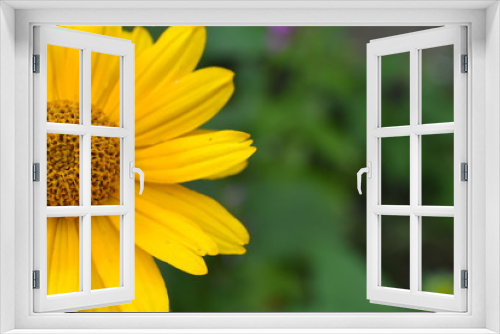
<point x="415" y="251"/>
<point x="85" y="174"/>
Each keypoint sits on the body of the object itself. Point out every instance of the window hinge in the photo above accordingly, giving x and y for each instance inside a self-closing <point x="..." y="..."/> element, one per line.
<point x="36" y="279"/>
<point x="36" y="172"/>
<point x="36" y="63"/>
<point x="464" y="171"/>
<point x="465" y="64"/>
<point x="465" y="279"/>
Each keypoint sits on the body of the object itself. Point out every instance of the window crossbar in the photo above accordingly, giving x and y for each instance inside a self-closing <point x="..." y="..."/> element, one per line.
<point x="77" y="129"/>
<point x="79" y="211"/>
<point x="418" y="210"/>
<point x="421" y="129"/>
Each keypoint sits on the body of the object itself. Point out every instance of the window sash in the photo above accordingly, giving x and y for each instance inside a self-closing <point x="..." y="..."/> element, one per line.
<point x="414" y="297"/>
<point x="86" y="297"/>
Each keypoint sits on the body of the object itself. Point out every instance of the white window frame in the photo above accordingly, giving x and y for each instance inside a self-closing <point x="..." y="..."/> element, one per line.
<point x="483" y="21"/>
<point x="413" y="44"/>
<point x="85" y="43"/>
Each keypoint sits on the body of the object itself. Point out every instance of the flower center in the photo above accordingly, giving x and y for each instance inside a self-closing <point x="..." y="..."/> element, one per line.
<point x="63" y="158"/>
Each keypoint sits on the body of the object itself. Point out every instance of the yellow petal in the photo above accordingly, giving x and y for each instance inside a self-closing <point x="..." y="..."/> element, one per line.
<point x="150" y="290"/>
<point x="142" y="39"/>
<point x="170" y="225"/>
<point x="182" y="106"/>
<point x="106" y="250"/>
<point x="197" y="132"/>
<point x="63" y="73"/>
<point x="155" y="238"/>
<point x="184" y="241"/>
<point x="194" y="157"/>
<point x="229" y="234"/>
<point x="63" y="255"/>
<point x="105" y="73"/>
<point x="105" y="78"/>
<point x="175" y="54"/>
<point x="229" y="172"/>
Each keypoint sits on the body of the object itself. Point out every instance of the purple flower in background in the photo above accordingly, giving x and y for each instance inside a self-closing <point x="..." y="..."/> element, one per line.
<point x="278" y="38"/>
<point x="281" y="31"/>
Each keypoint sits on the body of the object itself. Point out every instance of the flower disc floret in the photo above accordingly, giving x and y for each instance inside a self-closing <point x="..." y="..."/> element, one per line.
<point x="63" y="158"/>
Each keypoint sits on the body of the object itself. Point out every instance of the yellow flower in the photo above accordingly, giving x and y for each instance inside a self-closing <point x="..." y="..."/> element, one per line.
<point x="173" y="223"/>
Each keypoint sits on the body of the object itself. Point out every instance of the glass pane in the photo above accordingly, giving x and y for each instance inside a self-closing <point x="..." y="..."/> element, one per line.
<point x="105" y="86"/>
<point x="395" y="251"/>
<point x="437" y="84"/>
<point x="437" y="169"/>
<point x="105" y="170"/>
<point x="63" y="255"/>
<point x="395" y="95"/>
<point x="395" y="171"/>
<point x="105" y="252"/>
<point x="63" y="85"/>
<point x="63" y="170"/>
<point x="437" y="254"/>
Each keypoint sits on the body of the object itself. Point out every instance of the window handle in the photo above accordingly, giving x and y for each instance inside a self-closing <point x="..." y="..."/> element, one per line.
<point x="138" y="171"/>
<point x="368" y="171"/>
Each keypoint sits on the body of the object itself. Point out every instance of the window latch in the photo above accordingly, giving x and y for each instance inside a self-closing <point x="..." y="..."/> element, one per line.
<point x="368" y="171"/>
<point x="133" y="170"/>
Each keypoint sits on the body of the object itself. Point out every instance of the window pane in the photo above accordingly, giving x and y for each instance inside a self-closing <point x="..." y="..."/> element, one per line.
<point x="437" y="254"/>
<point x="395" y="95"/>
<point x="63" y="255"/>
<point x="63" y="170"/>
<point x="437" y="169"/>
<point x="395" y="251"/>
<point x="437" y="84"/>
<point x="105" y="170"/>
<point x="106" y="252"/>
<point x="63" y="85"/>
<point x="395" y="171"/>
<point x="105" y="86"/>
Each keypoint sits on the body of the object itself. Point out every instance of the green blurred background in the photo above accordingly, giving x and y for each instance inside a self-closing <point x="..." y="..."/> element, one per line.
<point x="301" y="94"/>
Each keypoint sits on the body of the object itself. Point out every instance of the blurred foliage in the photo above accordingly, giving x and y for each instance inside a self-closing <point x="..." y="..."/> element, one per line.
<point x="301" y="94"/>
<point x="395" y="93"/>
